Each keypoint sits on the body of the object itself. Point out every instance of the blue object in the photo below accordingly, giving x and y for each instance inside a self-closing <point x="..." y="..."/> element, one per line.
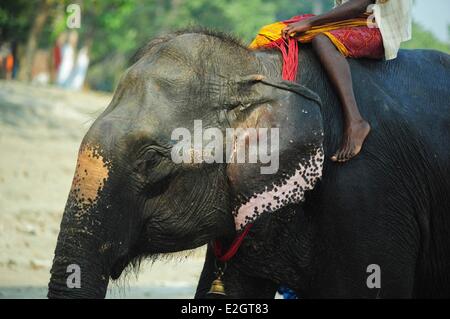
<point x="287" y="293"/>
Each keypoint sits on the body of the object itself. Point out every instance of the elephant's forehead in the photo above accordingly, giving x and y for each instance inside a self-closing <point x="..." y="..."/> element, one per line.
<point x="171" y="63"/>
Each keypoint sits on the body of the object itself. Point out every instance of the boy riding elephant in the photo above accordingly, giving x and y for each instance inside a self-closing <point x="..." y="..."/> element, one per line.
<point x="347" y="31"/>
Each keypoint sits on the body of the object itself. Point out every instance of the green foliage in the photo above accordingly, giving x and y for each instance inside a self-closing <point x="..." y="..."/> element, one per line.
<point x="15" y="19"/>
<point x="117" y="28"/>
<point x="122" y="26"/>
<point x="423" y="39"/>
<point x="125" y="25"/>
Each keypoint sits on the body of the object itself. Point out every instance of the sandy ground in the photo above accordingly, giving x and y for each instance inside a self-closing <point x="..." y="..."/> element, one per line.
<point x="40" y="132"/>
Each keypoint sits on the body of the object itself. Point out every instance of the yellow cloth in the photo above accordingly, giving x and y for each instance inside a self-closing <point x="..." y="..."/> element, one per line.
<point x="272" y="32"/>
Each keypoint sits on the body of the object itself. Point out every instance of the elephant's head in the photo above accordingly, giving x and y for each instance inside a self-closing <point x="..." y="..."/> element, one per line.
<point x="131" y="199"/>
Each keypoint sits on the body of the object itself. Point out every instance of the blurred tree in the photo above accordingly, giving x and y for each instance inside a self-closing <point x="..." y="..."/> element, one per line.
<point x="121" y="26"/>
<point x="289" y="8"/>
<point x="40" y="18"/>
<point x="15" y="20"/>
<point x="115" y="29"/>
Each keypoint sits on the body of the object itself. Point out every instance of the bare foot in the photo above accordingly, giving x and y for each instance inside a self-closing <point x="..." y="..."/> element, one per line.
<point x="352" y="141"/>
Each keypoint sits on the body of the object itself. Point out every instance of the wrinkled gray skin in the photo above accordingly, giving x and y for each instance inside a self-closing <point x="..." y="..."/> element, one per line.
<point x="389" y="206"/>
<point x="129" y="200"/>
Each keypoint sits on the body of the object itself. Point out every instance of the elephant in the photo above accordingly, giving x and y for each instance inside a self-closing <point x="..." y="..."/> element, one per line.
<point x="317" y="225"/>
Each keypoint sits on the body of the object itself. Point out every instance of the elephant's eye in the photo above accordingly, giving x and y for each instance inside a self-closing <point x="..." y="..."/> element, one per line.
<point x="150" y="160"/>
<point x="153" y="168"/>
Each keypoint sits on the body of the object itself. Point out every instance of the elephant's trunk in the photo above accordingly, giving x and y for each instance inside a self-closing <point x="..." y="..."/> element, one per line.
<point x="76" y="273"/>
<point x="81" y="263"/>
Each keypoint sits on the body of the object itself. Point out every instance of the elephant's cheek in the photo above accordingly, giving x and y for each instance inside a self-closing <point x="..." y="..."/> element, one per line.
<point x="91" y="174"/>
<point x="282" y="192"/>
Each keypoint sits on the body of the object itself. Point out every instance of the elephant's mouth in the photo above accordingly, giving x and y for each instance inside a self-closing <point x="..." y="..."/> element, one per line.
<point x="286" y="191"/>
<point x="125" y="262"/>
<point x="118" y="267"/>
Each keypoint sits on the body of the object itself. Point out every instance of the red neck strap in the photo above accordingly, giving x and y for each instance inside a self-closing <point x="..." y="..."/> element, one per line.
<point x="226" y="256"/>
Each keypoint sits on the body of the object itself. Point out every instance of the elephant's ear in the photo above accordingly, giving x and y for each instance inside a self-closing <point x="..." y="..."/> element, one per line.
<point x="243" y="92"/>
<point x="287" y="122"/>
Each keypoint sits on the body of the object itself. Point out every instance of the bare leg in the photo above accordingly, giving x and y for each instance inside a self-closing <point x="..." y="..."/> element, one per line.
<point x="356" y="128"/>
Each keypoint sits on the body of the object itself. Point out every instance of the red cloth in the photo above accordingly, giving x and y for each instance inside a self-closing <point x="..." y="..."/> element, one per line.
<point x="361" y="42"/>
<point x="57" y="56"/>
<point x="353" y="38"/>
<point x="9" y="65"/>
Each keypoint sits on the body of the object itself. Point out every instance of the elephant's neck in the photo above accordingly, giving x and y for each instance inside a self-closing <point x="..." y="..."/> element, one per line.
<point x="280" y="248"/>
<point x="269" y="63"/>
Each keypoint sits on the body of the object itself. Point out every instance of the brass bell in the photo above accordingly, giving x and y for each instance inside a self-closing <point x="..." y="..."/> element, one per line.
<point x="217" y="288"/>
